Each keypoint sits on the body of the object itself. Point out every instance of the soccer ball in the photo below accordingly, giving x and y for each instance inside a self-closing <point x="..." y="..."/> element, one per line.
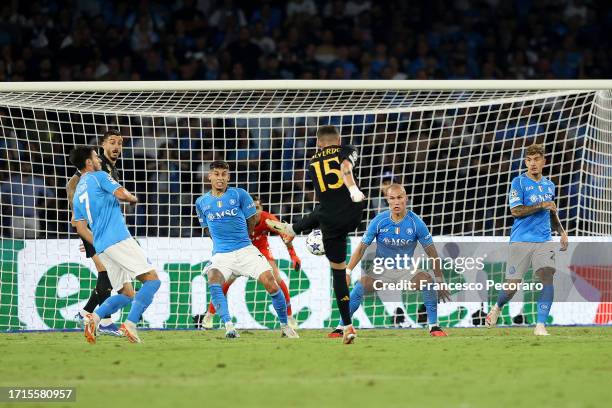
<point x="314" y="243"/>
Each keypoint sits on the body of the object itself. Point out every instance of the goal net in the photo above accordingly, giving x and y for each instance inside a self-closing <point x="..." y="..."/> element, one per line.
<point x="455" y="147"/>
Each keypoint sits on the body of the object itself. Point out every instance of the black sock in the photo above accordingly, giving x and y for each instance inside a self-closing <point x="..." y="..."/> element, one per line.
<point x="342" y="294"/>
<point x="92" y="302"/>
<point x="103" y="289"/>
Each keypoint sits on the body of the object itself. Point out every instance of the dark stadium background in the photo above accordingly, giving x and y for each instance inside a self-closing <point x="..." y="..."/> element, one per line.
<point x="300" y="39"/>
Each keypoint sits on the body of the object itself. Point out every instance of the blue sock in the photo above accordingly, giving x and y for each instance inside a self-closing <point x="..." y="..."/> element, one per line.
<point x="430" y="299"/>
<point x="143" y="299"/>
<point x="502" y="298"/>
<point x="112" y="304"/>
<point x="219" y="301"/>
<point x="280" y="305"/>
<point x="355" y="299"/>
<point x="545" y="302"/>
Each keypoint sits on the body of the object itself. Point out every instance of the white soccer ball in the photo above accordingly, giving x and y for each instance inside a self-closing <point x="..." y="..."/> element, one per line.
<point x="314" y="243"/>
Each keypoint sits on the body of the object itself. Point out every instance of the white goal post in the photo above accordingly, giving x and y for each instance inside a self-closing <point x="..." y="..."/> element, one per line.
<point x="455" y="145"/>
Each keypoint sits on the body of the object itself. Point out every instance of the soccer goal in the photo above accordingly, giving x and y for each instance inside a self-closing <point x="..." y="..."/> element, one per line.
<point x="454" y="145"/>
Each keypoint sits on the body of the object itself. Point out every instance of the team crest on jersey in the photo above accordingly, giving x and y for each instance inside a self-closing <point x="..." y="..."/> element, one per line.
<point x="550" y="190"/>
<point x="409" y="231"/>
<point x="533" y="198"/>
<point x="232" y="201"/>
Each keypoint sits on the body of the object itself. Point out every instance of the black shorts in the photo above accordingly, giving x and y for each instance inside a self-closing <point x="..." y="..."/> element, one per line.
<point x="89" y="249"/>
<point x="334" y="227"/>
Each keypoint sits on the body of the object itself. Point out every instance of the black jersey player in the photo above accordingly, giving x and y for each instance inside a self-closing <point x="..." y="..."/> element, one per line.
<point x="112" y="145"/>
<point x="338" y="213"/>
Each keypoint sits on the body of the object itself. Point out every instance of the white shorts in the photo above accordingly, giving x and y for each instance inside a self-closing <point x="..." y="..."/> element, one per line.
<point x="247" y="261"/>
<point x="124" y="261"/>
<point x="521" y="255"/>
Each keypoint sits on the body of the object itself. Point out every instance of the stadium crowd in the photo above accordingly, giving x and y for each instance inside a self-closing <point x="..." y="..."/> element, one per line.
<point x="51" y="40"/>
<point x="165" y="163"/>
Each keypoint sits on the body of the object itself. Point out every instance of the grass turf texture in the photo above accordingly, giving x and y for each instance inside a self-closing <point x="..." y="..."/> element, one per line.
<point x="502" y="367"/>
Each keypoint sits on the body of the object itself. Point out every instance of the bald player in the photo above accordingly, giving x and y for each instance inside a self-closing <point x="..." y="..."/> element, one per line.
<point x="397" y="232"/>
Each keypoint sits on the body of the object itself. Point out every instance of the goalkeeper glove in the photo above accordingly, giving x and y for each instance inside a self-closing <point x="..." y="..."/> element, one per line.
<point x="296" y="263"/>
<point x="356" y="194"/>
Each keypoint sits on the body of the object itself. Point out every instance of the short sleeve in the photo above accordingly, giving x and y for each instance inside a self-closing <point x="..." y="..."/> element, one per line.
<point x="200" y="213"/>
<point x="422" y="232"/>
<point x="78" y="211"/>
<point x="515" y="197"/>
<point x="348" y="152"/>
<point x="247" y="205"/>
<point x="372" y="230"/>
<point x="106" y="182"/>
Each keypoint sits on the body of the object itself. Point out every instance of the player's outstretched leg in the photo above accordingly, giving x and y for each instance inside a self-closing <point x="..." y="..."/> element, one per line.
<point x="503" y="297"/>
<point x="281" y="227"/>
<point x="309" y="222"/>
<point x="278" y="301"/>
<point x="142" y="300"/>
<point x="215" y="280"/>
<point x="545" y="300"/>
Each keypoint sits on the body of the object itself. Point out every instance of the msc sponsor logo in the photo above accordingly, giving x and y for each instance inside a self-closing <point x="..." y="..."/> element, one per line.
<point x="222" y="214"/>
<point x="397" y="241"/>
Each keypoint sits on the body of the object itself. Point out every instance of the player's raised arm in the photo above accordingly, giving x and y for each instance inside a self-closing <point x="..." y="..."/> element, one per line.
<point x="349" y="157"/>
<point x="123" y="195"/>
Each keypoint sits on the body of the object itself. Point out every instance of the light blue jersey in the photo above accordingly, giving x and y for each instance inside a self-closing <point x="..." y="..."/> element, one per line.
<point x="525" y="191"/>
<point x="225" y="217"/>
<point x="95" y="203"/>
<point x="397" y="238"/>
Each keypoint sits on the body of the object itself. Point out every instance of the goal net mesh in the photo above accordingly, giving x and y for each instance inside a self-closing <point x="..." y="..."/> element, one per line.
<point x="454" y="151"/>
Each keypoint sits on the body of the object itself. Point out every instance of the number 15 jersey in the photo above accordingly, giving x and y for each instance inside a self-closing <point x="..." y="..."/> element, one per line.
<point x="326" y="176"/>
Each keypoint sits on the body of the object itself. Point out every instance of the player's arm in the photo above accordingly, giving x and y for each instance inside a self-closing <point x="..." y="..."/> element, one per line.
<point x="247" y="205"/>
<point x="70" y="189"/>
<point x="426" y="241"/>
<point x="348" y="157"/>
<point x="356" y="256"/>
<point x="123" y="195"/>
<point x="432" y="253"/>
<point x="516" y="200"/>
<point x="84" y="231"/>
<point x="251" y="223"/>
<point x="202" y="218"/>
<point x="555" y="225"/>
<point x="524" y="210"/>
<point x="369" y="236"/>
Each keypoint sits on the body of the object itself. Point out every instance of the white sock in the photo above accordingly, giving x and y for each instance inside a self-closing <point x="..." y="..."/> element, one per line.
<point x="106" y="322"/>
<point x="83" y="312"/>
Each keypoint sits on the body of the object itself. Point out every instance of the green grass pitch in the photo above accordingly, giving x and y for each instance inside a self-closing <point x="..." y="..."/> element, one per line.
<point x="502" y="367"/>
